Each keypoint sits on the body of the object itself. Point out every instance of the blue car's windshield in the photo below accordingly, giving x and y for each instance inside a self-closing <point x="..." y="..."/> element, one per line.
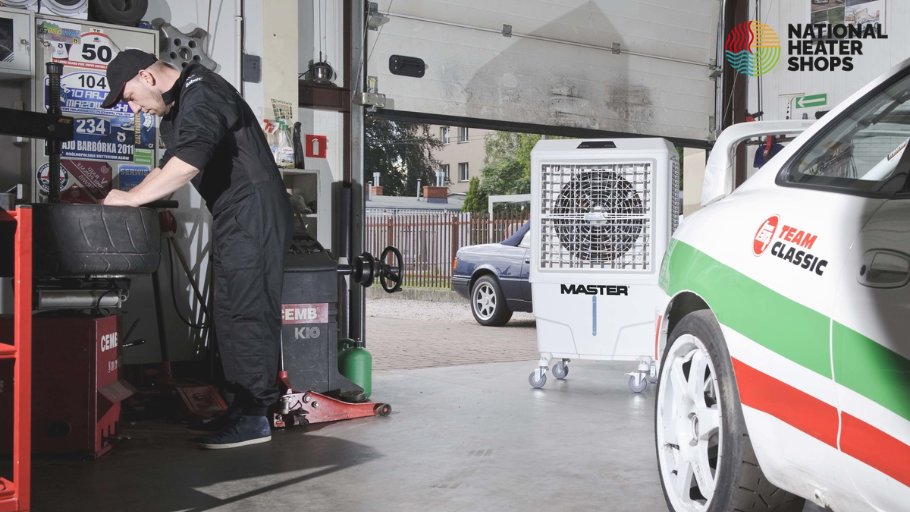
<point x="516" y="237"/>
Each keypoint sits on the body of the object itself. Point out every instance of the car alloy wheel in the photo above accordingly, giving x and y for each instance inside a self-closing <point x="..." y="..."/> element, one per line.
<point x="704" y="456"/>
<point x="690" y="437"/>
<point x="488" y="303"/>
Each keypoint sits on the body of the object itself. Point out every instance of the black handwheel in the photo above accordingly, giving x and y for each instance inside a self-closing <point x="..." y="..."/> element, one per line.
<point x="391" y="274"/>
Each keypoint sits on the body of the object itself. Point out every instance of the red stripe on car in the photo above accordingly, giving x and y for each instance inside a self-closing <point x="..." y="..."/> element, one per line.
<point x="786" y="403"/>
<point x="819" y="419"/>
<point x="871" y="446"/>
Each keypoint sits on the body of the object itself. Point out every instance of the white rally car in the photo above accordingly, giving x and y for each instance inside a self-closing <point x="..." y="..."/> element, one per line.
<point x="785" y="325"/>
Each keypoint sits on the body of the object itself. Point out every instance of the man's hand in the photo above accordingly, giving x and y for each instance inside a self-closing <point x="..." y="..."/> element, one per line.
<point x="119" y="198"/>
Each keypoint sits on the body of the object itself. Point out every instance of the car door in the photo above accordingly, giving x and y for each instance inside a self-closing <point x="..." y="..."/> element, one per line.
<point x="871" y="355"/>
<point x="861" y="158"/>
<point x="510" y="264"/>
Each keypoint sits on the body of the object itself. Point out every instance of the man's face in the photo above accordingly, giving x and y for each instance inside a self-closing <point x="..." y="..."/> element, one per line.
<point x="142" y="97"/>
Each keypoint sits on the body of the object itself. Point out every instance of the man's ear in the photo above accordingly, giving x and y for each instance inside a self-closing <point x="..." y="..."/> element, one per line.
<point x="147" y="77"/>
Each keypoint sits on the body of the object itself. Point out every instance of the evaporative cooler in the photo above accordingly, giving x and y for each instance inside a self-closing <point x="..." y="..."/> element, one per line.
<point x="602" y="212"/>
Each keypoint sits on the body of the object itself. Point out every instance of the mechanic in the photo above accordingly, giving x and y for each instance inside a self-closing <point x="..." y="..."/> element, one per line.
<point x="213" y="139"/>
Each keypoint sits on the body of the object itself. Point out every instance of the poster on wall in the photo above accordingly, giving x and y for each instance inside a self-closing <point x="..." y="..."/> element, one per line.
<point x="106" y="142"/>
<point x="52" y="31"/>
<point x="113" y="138"/>
<point x="863" y="12"/>
<point x="129" y="175"/>
<point x="109" y="134"/>
<point x="81" y="181"/>
<point x="93" y="50"/>
<point x="827" y="11"/>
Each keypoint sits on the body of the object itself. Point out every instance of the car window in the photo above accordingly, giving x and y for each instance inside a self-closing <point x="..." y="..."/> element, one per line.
<point x="761" y="149"/>
<point x="861" y="151"/>
<point x="525" y="240"/>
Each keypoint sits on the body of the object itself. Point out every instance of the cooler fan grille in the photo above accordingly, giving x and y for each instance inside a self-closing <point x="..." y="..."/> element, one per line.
<point x="596" y="217"/>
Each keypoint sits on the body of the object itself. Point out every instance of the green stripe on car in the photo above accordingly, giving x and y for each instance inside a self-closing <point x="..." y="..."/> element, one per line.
<point x="789" y="328"/>
<point x="871" y="370"/>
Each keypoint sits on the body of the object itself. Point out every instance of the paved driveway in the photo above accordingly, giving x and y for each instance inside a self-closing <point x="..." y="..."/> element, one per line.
<point x="403" y="334"/>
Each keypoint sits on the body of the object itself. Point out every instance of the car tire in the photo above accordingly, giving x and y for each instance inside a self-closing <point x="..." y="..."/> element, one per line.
<point x="692" y="455"/>
<point x="76" y="240"/>
<point x="488" y="304"/>
<point x="118" y="12"/>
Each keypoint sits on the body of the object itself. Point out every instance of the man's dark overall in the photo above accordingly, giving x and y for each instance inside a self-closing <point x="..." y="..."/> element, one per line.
<point x="213" y="129"/>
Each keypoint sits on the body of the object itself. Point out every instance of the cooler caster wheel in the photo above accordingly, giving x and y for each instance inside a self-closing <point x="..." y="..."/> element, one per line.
<point x="560" y="370"/>
<point x="383" y="409"/>
<point x="637" y="383"/>
<point x="537" y="378"/>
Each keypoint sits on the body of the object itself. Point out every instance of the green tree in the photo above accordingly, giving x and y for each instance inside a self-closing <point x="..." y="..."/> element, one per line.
<point x="506" y="176"/>
<point x="506" y="145"/>
<point x="508" y="162"/>
<point x="402" y="153"/>
<point x="475" y="200"/>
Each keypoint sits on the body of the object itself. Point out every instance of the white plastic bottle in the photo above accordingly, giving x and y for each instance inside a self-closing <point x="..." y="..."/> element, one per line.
<point x="284" y="155"/>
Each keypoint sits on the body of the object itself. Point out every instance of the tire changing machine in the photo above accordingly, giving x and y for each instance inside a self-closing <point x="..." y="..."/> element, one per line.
<point x="81" y="258"/>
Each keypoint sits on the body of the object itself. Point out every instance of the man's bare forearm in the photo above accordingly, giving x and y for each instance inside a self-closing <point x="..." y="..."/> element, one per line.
<point x="149" y="177"/>
<point x="158" y="184"/>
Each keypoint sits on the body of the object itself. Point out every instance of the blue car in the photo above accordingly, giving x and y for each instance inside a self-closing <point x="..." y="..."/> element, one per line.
<point x="495" y="277"/>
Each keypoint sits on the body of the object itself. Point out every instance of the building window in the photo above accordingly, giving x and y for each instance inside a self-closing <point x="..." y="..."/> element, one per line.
<point x="445" y="172"/>
<point x="462" y="134"/>
<point x="463" y="174"/>
<point x="444" y="134"/>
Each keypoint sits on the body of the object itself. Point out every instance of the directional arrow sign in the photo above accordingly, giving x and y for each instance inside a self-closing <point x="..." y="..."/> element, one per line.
<point x="812" y="100"/>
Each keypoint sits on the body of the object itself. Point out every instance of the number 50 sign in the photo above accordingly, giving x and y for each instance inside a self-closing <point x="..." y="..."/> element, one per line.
<point x="94" y="51"/>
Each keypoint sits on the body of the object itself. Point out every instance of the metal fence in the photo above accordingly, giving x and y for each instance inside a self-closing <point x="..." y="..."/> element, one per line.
<point x="428" y="241"/>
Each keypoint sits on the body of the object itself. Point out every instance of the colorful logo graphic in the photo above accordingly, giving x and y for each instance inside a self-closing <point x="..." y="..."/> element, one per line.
<point x="752" y="48"/>
<point x="764" y="235"/>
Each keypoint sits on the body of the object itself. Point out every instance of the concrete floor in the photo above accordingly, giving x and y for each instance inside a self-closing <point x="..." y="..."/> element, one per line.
<point x="466" y="433"/>
<point x="460" y="438"/>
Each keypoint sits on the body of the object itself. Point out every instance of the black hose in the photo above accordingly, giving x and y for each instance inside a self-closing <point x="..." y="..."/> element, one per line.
<point x="203" y="325"/>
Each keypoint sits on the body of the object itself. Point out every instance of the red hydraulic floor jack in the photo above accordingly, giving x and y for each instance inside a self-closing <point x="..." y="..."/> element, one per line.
<point x="309" y="352"/>
<point x="304" y="408"/>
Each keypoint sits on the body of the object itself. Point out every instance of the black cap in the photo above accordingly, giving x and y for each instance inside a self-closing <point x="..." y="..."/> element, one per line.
<point x="122" y="69"/>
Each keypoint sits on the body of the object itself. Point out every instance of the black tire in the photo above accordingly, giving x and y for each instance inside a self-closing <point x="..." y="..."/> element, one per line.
<point x="488" y="304"/>
<point x="738" y="481"/>
<point x="74" y="240"/>
<point x="118" y="12"/>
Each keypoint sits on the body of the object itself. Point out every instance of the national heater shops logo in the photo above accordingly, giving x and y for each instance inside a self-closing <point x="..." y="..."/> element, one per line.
<point x="824" y="47"/>
<point x="752" y="48"/>
<point x="790" y="244"/>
